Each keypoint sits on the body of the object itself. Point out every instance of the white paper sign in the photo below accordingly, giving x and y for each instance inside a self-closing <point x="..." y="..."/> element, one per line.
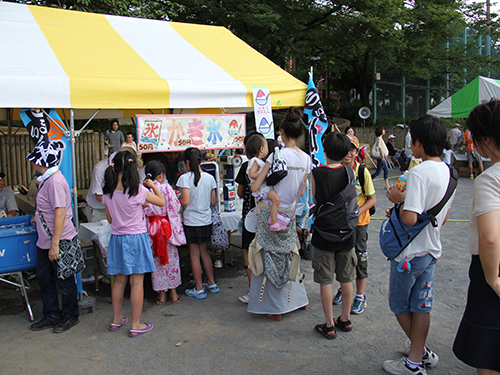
<point x="263" y="111"/>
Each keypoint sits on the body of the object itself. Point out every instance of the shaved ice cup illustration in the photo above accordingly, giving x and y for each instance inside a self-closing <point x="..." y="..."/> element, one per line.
<point x="264" y="126"/>
<point x="261" y="98"/>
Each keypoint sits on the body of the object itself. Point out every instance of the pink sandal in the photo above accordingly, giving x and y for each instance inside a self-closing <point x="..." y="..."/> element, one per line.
<point x="113" y="327"/>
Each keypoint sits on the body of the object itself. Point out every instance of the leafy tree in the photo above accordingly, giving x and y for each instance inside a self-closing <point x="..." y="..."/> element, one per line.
<point x="158" y="9"/>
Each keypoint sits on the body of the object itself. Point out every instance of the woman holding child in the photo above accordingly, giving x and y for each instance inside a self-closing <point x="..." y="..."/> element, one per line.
<point x="478" y="337"/>
<point x="276" y="287"/>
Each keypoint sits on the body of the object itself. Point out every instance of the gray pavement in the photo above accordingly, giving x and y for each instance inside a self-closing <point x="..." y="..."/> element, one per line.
<point x="218" y="336"/>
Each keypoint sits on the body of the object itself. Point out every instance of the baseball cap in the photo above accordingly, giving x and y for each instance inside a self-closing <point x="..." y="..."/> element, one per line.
<point x="354" y="141"/>
<point x="457" y="124"/>
<point x="2" y="175"/>
<point x="392" y="136"/>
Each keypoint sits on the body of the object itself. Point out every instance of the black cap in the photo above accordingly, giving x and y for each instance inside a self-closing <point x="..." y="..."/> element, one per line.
<point x="2" y="175"/>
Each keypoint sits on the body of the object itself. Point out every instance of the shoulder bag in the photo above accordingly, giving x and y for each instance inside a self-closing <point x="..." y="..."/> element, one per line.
<point x="71" y="259"/>
<point x="395" y="235"/>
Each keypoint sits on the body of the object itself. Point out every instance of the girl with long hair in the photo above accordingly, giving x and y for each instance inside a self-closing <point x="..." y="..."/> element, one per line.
<point x="129" y="249"/>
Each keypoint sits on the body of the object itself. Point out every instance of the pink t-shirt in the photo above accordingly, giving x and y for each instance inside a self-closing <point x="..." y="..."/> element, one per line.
<point x="126" y="212"/>
<point x="54" y="193"/>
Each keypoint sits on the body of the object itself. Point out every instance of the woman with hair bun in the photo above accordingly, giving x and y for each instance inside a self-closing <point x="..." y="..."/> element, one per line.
<point x="478" y="337"/>
<point x="278" y="289"/>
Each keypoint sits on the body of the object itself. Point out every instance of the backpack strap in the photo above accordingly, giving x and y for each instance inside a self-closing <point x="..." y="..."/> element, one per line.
<point x="452" y="184"/>
<point x="361" y="177"/>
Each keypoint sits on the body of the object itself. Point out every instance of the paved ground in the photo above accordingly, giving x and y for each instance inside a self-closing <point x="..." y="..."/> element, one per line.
<point x="217" y="335"/>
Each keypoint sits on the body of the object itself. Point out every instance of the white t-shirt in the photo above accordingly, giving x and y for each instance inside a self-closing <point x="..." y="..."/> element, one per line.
<point x="97" y="183"/>
<point x="263" y="188"/>
<point x="425" y="187"/>
<point x="455" y="135"/>
<point x="198" y="211"/>
<point x="448" y="154"/>
<point x="298" y="165"/>
<point x="486" y="198"/>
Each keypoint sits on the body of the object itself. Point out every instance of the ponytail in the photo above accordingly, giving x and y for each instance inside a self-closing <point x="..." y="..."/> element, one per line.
<point x="153" y="169"/>
<point x="123" y="162"/>
<point x="194" y="156"/>
<point x="110" y="180"/>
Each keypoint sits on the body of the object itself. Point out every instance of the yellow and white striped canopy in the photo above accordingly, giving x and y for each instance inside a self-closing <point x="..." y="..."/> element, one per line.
<point x="53" y="58"/>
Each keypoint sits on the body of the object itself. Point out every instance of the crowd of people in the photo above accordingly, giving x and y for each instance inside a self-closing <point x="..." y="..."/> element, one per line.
<point x="149" y="220"/>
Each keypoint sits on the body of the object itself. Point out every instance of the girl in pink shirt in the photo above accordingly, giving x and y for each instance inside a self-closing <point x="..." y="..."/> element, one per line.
<point x="129" y="250"/>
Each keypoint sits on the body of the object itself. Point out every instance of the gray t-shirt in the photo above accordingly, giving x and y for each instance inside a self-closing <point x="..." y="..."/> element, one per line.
<point x="198" y="212"/>
<point x="7" y="200"/>
<point x="114" y="138"/>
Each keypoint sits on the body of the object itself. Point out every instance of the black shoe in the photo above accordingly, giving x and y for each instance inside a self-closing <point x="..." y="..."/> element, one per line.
<point x="66" y="323"/>
<point x="43" y="324"/>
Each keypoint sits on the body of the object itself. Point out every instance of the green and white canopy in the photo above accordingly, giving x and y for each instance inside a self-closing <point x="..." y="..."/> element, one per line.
<point x="461" y="103"/>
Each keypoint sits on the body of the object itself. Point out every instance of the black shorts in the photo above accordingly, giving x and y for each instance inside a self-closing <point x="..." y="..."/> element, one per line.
<point x="198" y="235"/>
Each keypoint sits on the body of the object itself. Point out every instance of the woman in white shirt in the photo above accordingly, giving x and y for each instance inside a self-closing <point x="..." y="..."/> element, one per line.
<point x="380" y="149"/>
<point x="277" y="288"/>
<point x="478" y="337"/>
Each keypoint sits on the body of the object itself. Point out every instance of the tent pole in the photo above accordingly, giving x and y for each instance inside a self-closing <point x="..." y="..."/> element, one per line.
<point x="73" y="158"/>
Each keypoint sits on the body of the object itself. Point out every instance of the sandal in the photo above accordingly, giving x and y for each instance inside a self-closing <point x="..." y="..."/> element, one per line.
<point x="325" y="331"/>
<point x="344" y="326"/>
<point x="177" y="300"/>
<point x="211" y="288"/>
<point x="158" y="300"/>
<point x="113" y="327"/>
<point x="138" y="332"/>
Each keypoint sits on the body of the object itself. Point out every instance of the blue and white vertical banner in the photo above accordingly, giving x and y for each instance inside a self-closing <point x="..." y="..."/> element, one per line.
<point x="263" y="111"/>
<point x="317" y="122"/>
<point x="50" y="128"/>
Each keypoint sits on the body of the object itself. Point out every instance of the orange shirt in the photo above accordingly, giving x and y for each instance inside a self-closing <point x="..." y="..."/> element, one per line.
<point x="470" y="142"/>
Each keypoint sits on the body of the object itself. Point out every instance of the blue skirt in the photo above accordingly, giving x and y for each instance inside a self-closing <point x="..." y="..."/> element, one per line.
<point x="130" y="253"/>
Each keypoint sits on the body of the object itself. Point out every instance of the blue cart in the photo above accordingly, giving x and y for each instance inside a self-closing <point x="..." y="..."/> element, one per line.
<point x="18" y="253"/>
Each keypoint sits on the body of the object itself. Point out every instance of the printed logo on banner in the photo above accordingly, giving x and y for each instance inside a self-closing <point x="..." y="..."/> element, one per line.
<point x="151" y="134"/>
<point x="178" y="132"/>
<point x="263" y="111"/>
<point x="315" y="118"/>
<point x="50" y="128"/>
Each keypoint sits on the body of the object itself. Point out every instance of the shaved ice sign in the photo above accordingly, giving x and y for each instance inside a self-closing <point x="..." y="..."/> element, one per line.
<point x="263" y="111"/>
<point x="178" y="132"/>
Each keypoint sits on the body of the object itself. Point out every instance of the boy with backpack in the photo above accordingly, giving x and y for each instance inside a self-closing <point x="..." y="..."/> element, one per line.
<point x="334" y="193"/>
<point x="412" y="271"/>
<point x="366" y="200"/>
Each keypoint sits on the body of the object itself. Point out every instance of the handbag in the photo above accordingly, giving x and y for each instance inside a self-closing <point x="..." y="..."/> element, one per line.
<point x="71" y="259"/>
<point x="395" y="235"/>
<point x="375" y="151"/>
<point x="219" y="238"/>
<point x="278" y="170"/>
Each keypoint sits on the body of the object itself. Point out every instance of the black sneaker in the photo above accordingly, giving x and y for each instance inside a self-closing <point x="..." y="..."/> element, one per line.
<point x="66" y="323"/>
<point x="43" y="324"/>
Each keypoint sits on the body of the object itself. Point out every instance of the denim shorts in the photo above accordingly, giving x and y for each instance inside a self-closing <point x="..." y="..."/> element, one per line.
<point x="412" y="291"/>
